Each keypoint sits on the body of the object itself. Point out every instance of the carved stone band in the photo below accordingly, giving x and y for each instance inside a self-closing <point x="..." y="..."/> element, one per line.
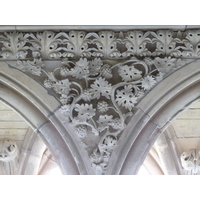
<point x="104" y="44"/>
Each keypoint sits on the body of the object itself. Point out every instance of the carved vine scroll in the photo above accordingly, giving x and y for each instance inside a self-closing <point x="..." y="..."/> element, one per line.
<point x="100" y="77"/>
<point x="98" y="97"/>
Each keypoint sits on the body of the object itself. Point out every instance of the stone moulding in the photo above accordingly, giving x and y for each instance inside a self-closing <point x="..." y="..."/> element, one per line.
<point x="101" y="76"/>
<point x="103" y="44"/>
<point x="98" y="97"/>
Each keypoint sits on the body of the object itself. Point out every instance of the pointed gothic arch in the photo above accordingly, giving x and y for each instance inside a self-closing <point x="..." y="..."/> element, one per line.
<point x="98" y="98"/>
<point x="39" y="108"/>
<point x="155" y="111"/>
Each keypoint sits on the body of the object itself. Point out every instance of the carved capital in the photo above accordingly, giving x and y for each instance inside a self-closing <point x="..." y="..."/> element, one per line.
<point x="190" y="161"/>
<point x="8" y="150"/>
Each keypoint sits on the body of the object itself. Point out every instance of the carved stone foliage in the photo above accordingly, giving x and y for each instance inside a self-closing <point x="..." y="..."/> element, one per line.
<point x="77" y="44"/>
<point x="8" y="150"/>
<point x="190" y="161"/>
<point x="102" y="44"/>
<point x="45" y="45"/>
<point x="14" y="45"/>
<point x="33" y="67"/>
<point x="99" y="96"/>
<point x="101" y="76"/>
<point x="166" y="43"/>
<point x="136" y="44"/>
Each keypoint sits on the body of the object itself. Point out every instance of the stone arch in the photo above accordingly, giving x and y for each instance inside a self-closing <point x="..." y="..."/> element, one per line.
<point x="155" y="111"/>
<point x="40" y="109"/>
<point x="146" y="114"/>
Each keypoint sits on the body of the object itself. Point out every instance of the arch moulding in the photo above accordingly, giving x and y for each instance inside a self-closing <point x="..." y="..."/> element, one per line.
<point x="99" y="99"/>
<point x="38" y="108"/>
<point x="155" y="112"/>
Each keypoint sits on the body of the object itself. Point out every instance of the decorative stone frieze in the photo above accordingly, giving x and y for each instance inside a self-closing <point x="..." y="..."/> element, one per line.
<point x="102" y="44"/>
<point x="190" y="161"/>
<point x="99" y="77"/>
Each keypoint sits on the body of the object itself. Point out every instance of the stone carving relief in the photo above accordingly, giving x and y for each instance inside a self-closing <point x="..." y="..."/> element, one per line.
<point x="103" y="44"/>
<point x="8" y="150"/>
<point x="14" y="45"/>
<point x="99" y="77"/>
<point x="8" y="155"/>
<point x="98" y="97"/>
<point x="190" y="161"/>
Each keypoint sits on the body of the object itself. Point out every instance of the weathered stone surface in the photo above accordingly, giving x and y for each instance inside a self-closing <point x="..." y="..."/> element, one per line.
<point x="99" y="99"/>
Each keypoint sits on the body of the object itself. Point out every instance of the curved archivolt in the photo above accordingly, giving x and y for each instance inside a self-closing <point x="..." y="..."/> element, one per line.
<point x="37" y="107"/>
<point x="22" y="152"/>
<point x="93" y="104"/>
<point x="155" y="112"/>
<point x="102" y="93"/>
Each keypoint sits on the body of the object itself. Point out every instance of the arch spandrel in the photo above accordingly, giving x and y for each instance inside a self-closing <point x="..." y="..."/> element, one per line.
<point x="23" y="100"/>
<point x="28" y="87"/>
<point x="151" y="120"/>
<point x="99" y="85"/>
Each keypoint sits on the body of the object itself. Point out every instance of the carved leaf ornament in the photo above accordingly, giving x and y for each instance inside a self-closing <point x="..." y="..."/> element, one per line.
<point x="101" y="77"/>
<point x="97" y="104"/>
<point x="190" y="161"/>
<point x="103" y="44"/>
